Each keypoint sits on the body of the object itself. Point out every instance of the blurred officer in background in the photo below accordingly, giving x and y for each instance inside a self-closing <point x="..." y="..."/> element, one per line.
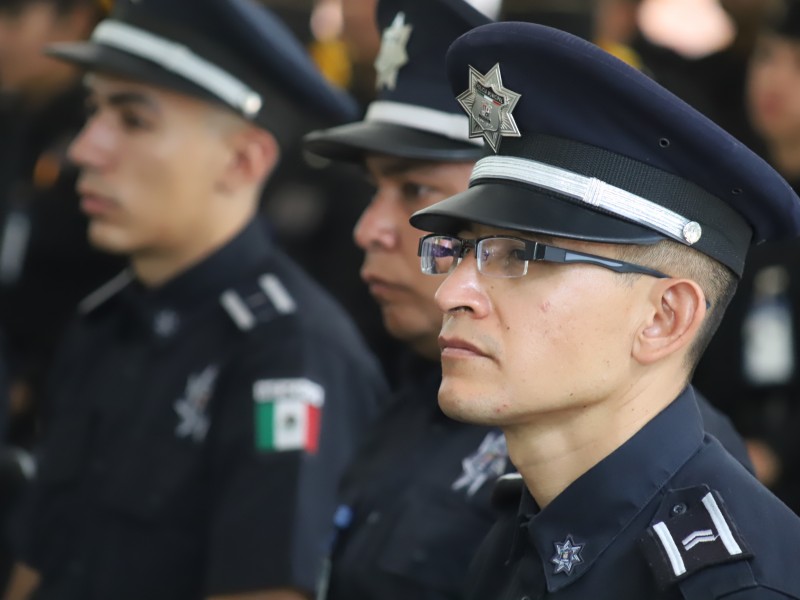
<point x="46" y="263"/>
<point x="202" y="409"/>
<point x="415" y="502"/>
<point x="587" y="266"/>
<point x="752" y="366"/>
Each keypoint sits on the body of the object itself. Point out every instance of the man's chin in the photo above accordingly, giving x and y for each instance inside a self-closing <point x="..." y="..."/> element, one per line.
<point x="107" y="238"/>
<point x="456" y="406"/>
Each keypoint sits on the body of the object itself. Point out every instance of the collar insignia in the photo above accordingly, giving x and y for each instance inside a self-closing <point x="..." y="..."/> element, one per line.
<point x="393" y="53"/>
<point x="568" y="554"/>
<point x="489" y="105"/>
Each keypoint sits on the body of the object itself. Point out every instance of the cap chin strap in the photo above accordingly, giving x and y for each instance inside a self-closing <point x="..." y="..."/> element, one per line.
<point x="439" y="122"/>
<point x="590" y="191"/>
<point x="180" y="60"/>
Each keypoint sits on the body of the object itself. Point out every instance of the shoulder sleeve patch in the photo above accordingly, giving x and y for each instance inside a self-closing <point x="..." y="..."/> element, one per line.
<point x="288" y="414"/>
<point x="691" y="531"/>
<point x="258" y="302"/>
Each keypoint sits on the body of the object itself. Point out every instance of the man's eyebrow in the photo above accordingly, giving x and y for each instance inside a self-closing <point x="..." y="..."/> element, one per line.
<point x="126" y="99"/>
<point x="399" y="166"/>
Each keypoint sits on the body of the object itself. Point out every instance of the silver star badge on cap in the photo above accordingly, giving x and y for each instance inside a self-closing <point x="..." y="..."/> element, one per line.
<point x="489" y="105"/>
<point x="568" y="554"/>
<point x="392" y="54"/>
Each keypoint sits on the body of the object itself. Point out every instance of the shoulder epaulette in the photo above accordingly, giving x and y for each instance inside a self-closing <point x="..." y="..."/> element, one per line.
<point x="507" y="490"/>
<point x="105" y="292"/>
<point x="691" y="531"/>
<point x="256" y="302"/>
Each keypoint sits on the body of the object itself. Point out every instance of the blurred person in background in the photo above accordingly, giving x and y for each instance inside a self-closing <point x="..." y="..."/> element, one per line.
<point x="697" y="49"/>
<point x="201" y="410"/>
<point x="308" y="201"/>
<point x="415" y="503"/>
<point x="46" y="263"/>
<point x="752" y="368"/>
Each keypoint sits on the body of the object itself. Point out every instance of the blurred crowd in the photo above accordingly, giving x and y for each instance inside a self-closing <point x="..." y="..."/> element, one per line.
<point x="737" y="61"/>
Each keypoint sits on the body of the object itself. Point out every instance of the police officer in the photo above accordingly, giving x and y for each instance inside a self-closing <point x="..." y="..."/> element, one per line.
<point x="588" y="264"/>
<point x="203" y="407"/>
<point x="416" y="501"/>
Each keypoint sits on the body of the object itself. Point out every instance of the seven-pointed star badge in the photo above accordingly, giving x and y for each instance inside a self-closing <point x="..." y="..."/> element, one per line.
<point x="488" y="105"/>
<point x="568" y="554"/>
<point x="392" y="54"/>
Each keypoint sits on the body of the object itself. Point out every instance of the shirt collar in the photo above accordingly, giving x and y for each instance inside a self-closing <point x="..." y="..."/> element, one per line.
<point x="213" y="275"/>
<point x="600" y="504"/>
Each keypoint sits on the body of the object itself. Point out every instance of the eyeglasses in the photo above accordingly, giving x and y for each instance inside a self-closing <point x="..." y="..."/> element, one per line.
<point x="508" y="257"/>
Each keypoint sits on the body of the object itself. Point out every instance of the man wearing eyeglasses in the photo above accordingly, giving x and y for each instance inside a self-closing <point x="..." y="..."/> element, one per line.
<point x="586" y="269"/>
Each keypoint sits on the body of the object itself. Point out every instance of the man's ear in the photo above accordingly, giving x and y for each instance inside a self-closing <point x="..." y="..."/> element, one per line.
<point x="678" y="308"/>
<point x="254" y="155"/>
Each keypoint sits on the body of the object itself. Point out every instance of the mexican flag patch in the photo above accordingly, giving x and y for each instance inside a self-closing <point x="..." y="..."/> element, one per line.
<point x="287" y="414"/>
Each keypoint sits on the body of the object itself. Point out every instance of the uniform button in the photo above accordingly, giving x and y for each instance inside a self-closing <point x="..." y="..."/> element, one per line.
<point x="525" y="598"/>
<point x="678" y="509"/>
<point x="373" y="517"/>
<point x="165" y="323"/>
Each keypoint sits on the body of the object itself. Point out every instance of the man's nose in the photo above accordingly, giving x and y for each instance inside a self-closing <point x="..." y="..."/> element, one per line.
<point x="377" y="226"/>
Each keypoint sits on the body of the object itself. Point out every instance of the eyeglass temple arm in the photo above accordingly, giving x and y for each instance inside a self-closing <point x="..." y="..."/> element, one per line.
<point x="561" y="255"/>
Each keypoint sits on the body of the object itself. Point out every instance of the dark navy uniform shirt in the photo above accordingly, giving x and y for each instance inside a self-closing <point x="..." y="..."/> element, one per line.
<point x="416" y="500"/>
<point x="669" y="514"/>
<point x="196" y="434"/>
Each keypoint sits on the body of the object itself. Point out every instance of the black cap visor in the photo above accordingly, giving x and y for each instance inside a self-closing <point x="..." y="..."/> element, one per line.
<point x="521" y="208"/>
<point x="104" y="59"/>
<point x="352" y="141"/>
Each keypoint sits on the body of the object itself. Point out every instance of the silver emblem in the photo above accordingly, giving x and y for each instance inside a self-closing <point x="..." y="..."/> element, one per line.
<point x="692" y="232"/>
<point x="166" y="323"/>
<point x="191" y="408"/>
<point x="568" y="554"/>
<point x="251" y="104"/>
<point x="392" y="54"/>
<point x="702" y="536"/>
<point x="488" y="462"/>
<point x="489" y="105"/>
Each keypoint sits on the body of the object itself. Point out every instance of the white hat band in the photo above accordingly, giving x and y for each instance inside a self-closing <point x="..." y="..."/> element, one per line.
<point x="180" y="60"/>
<point x="591" y="191"/>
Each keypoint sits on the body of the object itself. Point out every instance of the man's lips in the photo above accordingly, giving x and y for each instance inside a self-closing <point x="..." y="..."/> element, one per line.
<point x="94" y="203"/>
<point x="379" y="286"/>
<point x="455" y="347"/>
